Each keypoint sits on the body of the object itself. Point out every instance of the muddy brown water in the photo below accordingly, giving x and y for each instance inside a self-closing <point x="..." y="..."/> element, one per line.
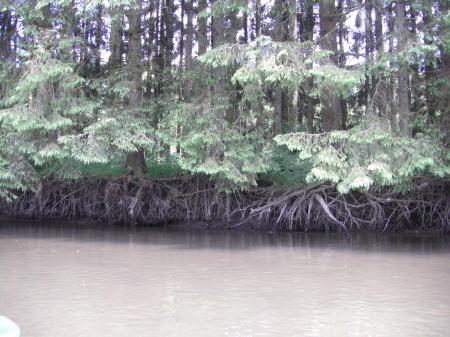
<point x="95" y="281"/>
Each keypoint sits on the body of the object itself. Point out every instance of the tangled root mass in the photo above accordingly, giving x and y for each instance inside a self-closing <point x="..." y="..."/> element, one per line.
<point x="196" y="199"/>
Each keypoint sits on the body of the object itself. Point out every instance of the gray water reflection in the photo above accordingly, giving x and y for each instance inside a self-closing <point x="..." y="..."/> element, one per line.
<point x="94" y="281"/>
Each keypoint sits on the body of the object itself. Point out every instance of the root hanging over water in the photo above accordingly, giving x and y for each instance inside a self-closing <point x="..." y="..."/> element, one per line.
<point x="196" y="199"/>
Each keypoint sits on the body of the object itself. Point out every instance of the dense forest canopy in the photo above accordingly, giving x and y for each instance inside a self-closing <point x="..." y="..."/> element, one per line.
<point x="352" y="92"/>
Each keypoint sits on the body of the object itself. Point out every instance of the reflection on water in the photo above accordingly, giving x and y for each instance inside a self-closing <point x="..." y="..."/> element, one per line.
<point x="94" y="281"/>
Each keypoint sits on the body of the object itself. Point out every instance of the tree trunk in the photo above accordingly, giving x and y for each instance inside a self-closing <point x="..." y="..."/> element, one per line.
<point x="444" y="7"/>
<point x="415" y="88"/>
<point x="135" y="160"/>
<point x="331" y="105"/>
<point x="258" y="18"/>
<point x="391" y="101"/>
<point x="245" y="27"/>
<point x="6" y="35"/>
<point x="293" y="97"/>
<point x="368" y="27"/>
<point x="182" y="36"/>
<point x="342" y="58"/>
<point x="153" y="7"/>
<point x="115" y="39"/>
<point x="306" y="34"/>
<point x="217" y="39"/>
<point x="189" y="34"/>
<point x="157" y="50"/>
<point x="202" y="36"/>
<point x="402" y="91"/>
<point x="380" y="88"/>
<point x="429" y="64"/>
<point x="444" y="72"/>
<point x="98" y="37"/>
<point x="279" y="34"/>
<point x="169" y="22"/>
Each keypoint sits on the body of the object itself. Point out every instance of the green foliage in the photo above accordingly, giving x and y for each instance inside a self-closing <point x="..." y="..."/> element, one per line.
<point x="61" y="116"/>
<point x="43" y="107"/>
<point x="210" y="145"/>
<point x="226" y="7"/>
<point x="370" y="154"/>
<point x="164" y="168"/>
<point x="286" y="65"/>
<point x="287" y="169"/>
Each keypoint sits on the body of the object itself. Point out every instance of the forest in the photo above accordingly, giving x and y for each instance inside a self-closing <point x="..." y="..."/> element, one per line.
<point x="280" y="114"/>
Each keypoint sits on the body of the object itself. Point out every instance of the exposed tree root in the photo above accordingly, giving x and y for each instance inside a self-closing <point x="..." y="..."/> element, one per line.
<point x="192" y="199"/>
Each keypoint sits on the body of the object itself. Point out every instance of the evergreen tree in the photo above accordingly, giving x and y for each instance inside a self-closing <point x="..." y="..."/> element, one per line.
<point x="222" y="88"/>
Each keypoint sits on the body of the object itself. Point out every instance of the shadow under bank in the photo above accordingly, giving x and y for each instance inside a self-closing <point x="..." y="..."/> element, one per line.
<point x="219" y="239"/>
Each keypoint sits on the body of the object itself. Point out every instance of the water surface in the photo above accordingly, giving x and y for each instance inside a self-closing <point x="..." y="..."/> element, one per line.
<point x="93" y="281"/>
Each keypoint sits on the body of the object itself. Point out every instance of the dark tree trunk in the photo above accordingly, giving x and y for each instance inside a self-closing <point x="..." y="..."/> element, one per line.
<point x="258" y="18"/>
<point x="98" y="37"/>
<point x="444" y="72"/>
<point x="152" y="32"/>
<point x="182" y="36"/>
<point x="390" y="93"/>
<point x="189" y="34"/>
<point x="368" y="85"/>
<point x="169" y="24"/>
<point x="245" y="27"/>
<point x="157" y="50"/>
<point x="444" y="7"/>
<point x="402" y="91"/>
<point x="6" y="35"/>
<point x="202" y="34"/>
<point x="306" y="34"/>
<point x="342" y="58"/>
<point x="293" y="97"/>
<point x="217" y="39"/>
<point x="429" y="66"/>
<point x="135" y="160"/>
<point x="279" y="34"/>
<point x="331" y="105"/>
<point x="380" y="88"/>
<point x="135" y="55"/>
<point x="115" y="39"/>
<point x="415" y="90"/>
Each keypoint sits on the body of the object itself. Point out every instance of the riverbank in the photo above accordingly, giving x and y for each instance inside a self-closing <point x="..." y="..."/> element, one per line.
<point x="197" y="201"/>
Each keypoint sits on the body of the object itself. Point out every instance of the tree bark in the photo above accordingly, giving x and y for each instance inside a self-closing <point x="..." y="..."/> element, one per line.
<point x="368" y="27"/>
<point x="306" y="34"/>
<point x="429" y="64"/>
<point x="202" y="37"/>
<point x="391" y="100"/>
<point x="189" y="34"/>
<point x="279" y="34"/>
<point x="135" y="160"/>
<point x="115" y="39"/>
<point x="258" y="18"/>
<point x="6" y="35"/>
<point x="152" y="31"/>
<point x="380" y="88"/>
<point x="169" y="22"/>
<point x="444" y="71"/>
<point x="402" y="77"/>
<point x="331" y="105"/>
<point x="293" y="97"/>
<point x="98" y="37"/>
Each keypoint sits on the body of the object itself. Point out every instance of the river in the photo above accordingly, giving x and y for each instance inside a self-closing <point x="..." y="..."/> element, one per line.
<point x="97" y="281"/>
